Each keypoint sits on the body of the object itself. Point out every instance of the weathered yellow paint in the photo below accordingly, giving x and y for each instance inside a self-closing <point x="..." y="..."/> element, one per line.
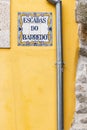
<point x="28" y="74"/>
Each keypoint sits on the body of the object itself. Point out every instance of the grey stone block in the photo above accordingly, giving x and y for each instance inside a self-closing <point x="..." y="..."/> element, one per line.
<point x="81" y="78"/>
<point x="82" y="111"/>
<point x="4" y="23"/>
<point x="81" y="97"/>
<point x="84" y="121"/>
<point x="81" y="11"/>
<point x="83" y="52"/>
<point x="82" y="31"/>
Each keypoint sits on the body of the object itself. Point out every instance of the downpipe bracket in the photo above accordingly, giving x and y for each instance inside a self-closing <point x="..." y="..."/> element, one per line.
<point x="60" y="64"/>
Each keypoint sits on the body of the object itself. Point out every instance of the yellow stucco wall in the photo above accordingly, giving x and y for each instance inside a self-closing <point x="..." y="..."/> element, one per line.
<point x="28" y="74"/>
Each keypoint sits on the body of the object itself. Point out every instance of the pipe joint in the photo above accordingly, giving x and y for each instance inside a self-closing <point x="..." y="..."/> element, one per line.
<point x="61" y="64"/>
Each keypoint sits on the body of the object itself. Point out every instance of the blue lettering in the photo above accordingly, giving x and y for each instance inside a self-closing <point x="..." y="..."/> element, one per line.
<point x="24" y="37"/>
<point x="34" y="28"/>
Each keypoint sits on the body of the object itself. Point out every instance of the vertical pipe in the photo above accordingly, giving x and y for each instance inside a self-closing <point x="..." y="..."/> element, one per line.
<point x="59" y="53"/>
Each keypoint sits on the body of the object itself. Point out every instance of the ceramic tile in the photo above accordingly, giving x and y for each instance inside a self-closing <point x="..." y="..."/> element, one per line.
<point x="34" y="29"/>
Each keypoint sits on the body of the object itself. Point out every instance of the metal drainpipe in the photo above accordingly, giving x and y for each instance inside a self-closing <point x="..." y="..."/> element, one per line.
<point x="59" y="52"/>
<point x="59" y="64"/>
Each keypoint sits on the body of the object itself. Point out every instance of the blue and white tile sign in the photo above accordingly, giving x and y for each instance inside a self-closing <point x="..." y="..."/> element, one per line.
<point x="34" y="29"/>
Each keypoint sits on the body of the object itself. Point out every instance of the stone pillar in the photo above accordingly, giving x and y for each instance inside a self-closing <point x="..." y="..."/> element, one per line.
<point x="80" y="117"/>
<point x="4" y="23"/>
